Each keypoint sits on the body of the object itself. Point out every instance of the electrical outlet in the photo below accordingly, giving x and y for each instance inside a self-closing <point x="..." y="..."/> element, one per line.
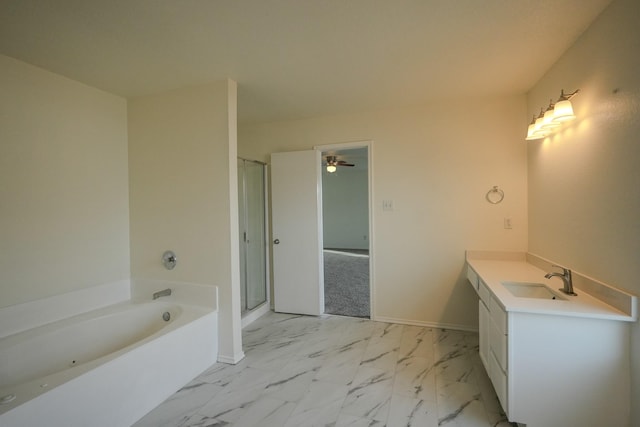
<point x="387" y="205"/>
<point x="507" y="224"/>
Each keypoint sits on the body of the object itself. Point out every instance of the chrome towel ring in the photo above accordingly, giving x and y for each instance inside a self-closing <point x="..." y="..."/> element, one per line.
<point x="495" y="195"/>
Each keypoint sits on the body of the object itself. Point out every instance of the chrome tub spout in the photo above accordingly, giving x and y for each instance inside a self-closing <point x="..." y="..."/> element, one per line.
<point x="164" y="293"/>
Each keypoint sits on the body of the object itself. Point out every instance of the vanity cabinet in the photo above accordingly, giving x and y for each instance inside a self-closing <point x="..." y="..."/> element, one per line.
<point x="493" y="340"/>
<point x="550" y="370"/>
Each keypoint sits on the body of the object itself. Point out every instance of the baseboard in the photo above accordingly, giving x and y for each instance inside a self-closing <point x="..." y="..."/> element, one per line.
<point x="433" y="325"/>
<point x="230" y="359"/>
<point x="252" y="316"/>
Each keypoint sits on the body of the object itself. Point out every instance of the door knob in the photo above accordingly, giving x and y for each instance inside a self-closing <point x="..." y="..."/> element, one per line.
<point x="276" y="242"/>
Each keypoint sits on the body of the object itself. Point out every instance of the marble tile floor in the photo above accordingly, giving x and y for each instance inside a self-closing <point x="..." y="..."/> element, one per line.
<point x="339" y="371"/>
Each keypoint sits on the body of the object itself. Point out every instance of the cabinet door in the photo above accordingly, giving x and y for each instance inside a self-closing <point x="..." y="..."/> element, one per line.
<point x="498" y="342"/>
<point x="484" y="324"/>
<point x="499" y="380"/>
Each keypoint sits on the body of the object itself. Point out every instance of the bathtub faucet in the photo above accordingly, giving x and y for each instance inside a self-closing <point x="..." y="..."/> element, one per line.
<point x="164" y="293"/>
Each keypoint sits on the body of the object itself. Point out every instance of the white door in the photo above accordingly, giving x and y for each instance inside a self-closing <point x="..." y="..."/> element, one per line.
<point x="296" y="205"/>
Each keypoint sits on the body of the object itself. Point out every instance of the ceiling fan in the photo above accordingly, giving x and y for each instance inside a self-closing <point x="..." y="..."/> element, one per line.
<point x="333" y="163"/>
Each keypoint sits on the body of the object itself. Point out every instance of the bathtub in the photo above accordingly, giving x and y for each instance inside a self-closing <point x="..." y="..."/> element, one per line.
<point x="106" y="367"/>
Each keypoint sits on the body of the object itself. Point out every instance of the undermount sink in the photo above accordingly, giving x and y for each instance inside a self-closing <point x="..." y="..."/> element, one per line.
<point x="531" y="290"/>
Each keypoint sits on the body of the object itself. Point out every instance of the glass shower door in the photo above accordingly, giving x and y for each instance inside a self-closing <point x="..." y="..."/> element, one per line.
<point x="251" y="200"/>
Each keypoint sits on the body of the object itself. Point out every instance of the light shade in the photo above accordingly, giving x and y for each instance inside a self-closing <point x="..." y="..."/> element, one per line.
<point x="537" y="126"/>
<point x="531" y="134"/>
<point x="547" y="120"/>
<point x="331" y="168"/>
<point x="531" y="130"/>
<point x="563" y="111"/>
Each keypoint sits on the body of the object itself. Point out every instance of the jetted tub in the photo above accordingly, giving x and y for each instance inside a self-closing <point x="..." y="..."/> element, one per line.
<point x="107" y="367"/>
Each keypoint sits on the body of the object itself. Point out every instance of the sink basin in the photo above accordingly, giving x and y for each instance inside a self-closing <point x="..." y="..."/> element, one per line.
<point x="531" y="290"/>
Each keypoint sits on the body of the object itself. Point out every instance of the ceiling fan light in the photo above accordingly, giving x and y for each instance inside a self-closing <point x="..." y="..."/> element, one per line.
<point x="331" y="168"/>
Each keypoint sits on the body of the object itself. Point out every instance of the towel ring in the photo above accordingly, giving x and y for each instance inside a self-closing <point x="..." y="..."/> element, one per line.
<point x="495" y="195"/>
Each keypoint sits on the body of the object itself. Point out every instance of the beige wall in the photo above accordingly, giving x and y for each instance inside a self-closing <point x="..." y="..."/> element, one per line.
<point x="584" y="182"/>
<point x="180" y="144"/>
<point x="436" y="163"/>
<point x="64" y="218"/>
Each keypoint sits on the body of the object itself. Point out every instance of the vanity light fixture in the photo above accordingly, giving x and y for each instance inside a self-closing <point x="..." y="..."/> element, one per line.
<point x="552" y="118"/>
<point x="547" y="120"/>
<point x="563" y="110"/>
<point x="532" y="129"/>
<point x="536" y="131"/>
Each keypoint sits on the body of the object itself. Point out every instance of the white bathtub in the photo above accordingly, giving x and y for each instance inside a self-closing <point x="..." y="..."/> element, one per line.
<point x="107" y="367"/>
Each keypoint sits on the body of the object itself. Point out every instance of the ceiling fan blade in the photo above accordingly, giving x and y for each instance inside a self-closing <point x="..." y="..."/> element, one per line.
<point x="343" y="163"/>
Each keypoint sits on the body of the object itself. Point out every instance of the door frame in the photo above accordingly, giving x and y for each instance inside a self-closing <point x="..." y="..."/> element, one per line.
<point x="369" y="145"/>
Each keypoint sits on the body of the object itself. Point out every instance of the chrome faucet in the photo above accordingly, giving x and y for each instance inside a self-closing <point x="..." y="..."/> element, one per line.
<point x="164" y="293"/>
<point x="566" y="279"/>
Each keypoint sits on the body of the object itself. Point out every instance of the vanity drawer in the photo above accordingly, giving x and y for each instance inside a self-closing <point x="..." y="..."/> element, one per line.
<point x="485" y="294"/>
<point x="499" y="315"/>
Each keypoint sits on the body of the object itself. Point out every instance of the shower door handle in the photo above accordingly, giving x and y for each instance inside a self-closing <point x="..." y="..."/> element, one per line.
<point x="276" y="242"/>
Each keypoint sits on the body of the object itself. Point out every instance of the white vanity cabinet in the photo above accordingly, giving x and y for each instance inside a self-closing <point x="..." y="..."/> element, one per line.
<point x="554" y="370"/>
<point x="493" y="340"/>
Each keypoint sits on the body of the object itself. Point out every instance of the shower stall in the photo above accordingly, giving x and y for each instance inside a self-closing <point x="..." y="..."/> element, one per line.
<point x="252" y="221"/>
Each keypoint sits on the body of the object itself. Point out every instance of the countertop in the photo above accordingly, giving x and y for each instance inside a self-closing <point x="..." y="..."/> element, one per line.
<point x="493" y="272"/>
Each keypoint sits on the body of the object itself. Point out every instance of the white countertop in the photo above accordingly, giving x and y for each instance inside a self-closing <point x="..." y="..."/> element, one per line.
<point x="494" y="272"/>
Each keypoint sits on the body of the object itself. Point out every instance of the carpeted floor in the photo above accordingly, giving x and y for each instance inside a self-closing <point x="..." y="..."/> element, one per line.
<point x="346" y="284"/>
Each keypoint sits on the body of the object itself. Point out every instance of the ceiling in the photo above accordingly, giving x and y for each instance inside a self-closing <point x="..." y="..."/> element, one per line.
<point x="299" y="58"/>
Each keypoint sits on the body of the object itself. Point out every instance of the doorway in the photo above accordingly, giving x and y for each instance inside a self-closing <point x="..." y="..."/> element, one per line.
<point x="346" y="230"/>
<point x="252" y="227"/>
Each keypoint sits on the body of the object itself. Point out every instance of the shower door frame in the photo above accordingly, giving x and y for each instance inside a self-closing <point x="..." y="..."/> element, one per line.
<point x="249" y="316"/>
